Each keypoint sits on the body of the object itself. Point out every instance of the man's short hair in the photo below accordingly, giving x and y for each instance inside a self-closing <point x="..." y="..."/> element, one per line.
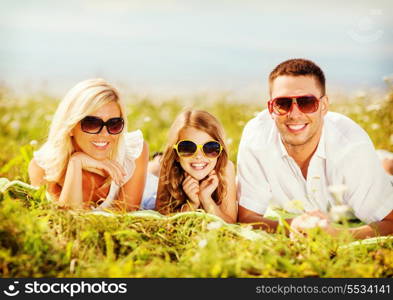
<point x="298" y="67"/>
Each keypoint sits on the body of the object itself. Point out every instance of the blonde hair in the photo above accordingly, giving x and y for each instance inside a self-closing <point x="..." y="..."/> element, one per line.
<point x="170" y="195"/>
<point x="83" y="99"/>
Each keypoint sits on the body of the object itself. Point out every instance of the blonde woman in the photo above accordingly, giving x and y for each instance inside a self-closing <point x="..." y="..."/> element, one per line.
<point x="195" y="170"/>
<point x="90" y="161"/>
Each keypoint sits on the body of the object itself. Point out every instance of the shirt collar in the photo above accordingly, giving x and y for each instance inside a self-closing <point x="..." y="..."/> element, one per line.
<point x="322" y="144"/>
<point x="283" y="150"/>
<point x="320" y="152"/>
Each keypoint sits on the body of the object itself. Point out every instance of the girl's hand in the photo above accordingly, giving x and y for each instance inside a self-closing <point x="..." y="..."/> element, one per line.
<point x="110" y="167"/>
<point x="191" y="188"/>
<point x="209" y="185"/>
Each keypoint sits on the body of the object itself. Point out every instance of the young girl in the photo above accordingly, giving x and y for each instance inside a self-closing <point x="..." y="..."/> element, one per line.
<point x="195" y="170"/>
<point x="89" y="160"/>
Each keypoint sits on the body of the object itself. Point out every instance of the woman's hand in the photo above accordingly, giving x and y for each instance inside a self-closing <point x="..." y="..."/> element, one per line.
<point x="110" y="167"/>
<point x="191" y="188"/>
<point x="209" y="185"/>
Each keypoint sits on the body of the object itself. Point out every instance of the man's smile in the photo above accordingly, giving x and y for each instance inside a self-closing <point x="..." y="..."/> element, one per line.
<point x="296" y="127"/>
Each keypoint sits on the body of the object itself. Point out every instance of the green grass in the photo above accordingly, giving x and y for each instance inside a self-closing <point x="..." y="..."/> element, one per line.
<point x="38" y="240"/>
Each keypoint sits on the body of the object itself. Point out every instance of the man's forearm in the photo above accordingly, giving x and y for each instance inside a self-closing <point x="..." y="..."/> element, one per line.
<point x="260" y="222"/>
<point x="381" y="228"/>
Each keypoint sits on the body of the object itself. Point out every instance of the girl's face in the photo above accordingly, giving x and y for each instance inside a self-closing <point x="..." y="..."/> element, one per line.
<point x="198" y="166"/>
<point x="99" y="146"/>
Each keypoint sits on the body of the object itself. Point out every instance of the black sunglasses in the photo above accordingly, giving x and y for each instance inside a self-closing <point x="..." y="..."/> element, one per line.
<point x="94" y="125"/>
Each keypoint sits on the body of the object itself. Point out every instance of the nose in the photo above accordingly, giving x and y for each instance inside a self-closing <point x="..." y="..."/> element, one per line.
<point x="199" y="153"/>
<point x="104" y="131"/>
<point x="295" y="111"/>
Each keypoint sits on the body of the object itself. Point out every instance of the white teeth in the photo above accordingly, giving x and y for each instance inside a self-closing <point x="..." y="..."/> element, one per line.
<point x="100" y="144"/>
<point x="199" y="166"/>
<point x="297" y="127"/>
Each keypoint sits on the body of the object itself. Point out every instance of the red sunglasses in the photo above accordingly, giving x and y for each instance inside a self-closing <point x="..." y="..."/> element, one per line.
<point x="282" y="105"/>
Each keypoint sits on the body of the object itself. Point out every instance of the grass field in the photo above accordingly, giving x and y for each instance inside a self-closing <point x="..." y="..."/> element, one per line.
<point x="37" y="240"/>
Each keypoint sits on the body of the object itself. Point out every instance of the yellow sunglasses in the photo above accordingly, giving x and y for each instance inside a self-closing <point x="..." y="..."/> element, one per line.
<point x="185" y="148"/>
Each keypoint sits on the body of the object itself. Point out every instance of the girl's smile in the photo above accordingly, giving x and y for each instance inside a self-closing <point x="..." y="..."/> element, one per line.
<point x="198" y="166"/>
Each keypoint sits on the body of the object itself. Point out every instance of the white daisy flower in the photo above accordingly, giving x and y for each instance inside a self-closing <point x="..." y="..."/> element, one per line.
<point x="213" y="225"/>
<point x="202" y="243"/>
<point x="338" y="191"/>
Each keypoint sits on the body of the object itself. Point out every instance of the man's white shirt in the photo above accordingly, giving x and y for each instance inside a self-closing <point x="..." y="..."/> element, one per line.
<point x="345" y="156"/>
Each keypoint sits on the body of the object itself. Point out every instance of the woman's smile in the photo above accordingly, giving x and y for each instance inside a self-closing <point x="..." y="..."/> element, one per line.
<point x="101" y="145"/>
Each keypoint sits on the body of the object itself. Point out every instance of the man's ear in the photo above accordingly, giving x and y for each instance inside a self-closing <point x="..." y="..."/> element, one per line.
<point x="271" y="114"/>
<point x="269" y="109"/>
<point x="324" y="105"/>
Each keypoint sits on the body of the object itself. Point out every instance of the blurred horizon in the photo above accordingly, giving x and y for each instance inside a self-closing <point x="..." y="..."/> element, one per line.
<point x="177" y="47"/>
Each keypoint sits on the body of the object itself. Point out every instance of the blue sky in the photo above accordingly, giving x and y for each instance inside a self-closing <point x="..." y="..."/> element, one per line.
<point x="186" y="46"/>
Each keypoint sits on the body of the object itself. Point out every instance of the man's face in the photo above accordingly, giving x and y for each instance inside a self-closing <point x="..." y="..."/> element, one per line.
<point x="298" y="128"/>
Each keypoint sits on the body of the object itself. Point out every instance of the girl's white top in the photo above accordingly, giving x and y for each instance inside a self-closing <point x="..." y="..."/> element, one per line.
<point x="127" y="156"/>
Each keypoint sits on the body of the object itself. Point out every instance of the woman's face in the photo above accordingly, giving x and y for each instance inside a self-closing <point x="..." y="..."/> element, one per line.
<point x="198" y="166"/>
<point x="99" y="146"/>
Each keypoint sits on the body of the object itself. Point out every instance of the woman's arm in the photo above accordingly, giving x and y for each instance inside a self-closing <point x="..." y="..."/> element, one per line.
<point x="71" y="193"/>
<point x="36" y="174"/>
<point x="227" y="210"/>
<point x="132" y="191"/>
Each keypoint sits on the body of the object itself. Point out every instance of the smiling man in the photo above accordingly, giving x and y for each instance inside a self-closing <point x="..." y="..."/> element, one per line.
<point x="296" y="149"/>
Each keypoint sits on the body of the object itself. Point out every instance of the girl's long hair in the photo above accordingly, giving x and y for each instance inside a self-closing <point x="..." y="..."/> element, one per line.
<point x="83" y="99"/>
<point x="170" y="194"/>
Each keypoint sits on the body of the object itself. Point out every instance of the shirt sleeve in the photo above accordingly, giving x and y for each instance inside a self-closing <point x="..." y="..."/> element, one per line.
<point x="369" y="190"/>
<point x="134" y="144"/>
<point x="134" y="147"/>
<point x="39" y="157"/>
<point x="253" y="187"/>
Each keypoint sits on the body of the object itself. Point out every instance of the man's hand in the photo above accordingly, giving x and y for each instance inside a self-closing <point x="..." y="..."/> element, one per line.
<point x="309" y="220"/>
